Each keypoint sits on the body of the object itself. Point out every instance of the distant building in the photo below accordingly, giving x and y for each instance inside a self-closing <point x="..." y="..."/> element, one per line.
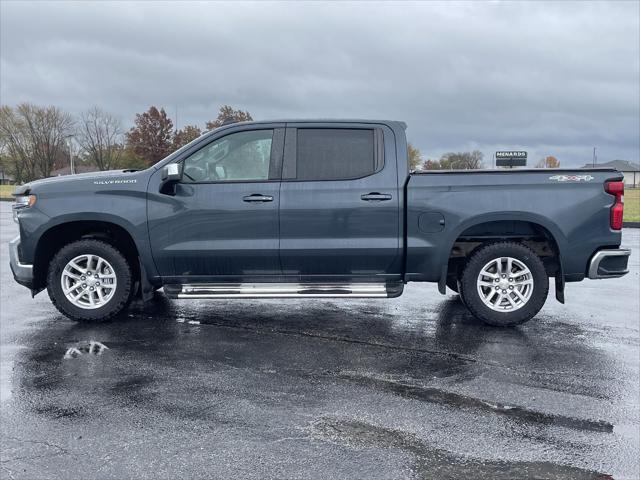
<point x="630" y="170"/>
<point x="78" y="168"/>
<point x="5" y="178"/>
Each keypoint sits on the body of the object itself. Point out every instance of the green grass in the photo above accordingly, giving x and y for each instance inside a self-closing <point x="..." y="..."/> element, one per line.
<point x="5" y="191"/>
<point x="632" y="205"/>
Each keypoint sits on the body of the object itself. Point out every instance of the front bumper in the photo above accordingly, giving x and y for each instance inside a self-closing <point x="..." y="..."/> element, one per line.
<point x="22" y="272"/>
<point x="609" y="263"/>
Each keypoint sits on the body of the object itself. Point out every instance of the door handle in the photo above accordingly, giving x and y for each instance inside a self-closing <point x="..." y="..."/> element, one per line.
<point x="375" y="197"/>
<point x="256" y="197"/>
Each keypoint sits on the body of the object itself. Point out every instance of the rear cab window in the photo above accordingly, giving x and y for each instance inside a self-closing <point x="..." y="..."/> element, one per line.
<point x="316" y="154"/>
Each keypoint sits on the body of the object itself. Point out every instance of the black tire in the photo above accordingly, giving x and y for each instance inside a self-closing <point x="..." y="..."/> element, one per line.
<point x="473" y="300"/>
<point x="115" y="305"/>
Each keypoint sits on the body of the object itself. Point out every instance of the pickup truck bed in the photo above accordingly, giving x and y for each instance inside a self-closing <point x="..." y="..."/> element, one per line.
<point x="570" y="208"/>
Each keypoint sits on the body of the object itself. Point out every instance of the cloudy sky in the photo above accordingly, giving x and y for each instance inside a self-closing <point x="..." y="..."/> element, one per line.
<point x="550" y="78"/>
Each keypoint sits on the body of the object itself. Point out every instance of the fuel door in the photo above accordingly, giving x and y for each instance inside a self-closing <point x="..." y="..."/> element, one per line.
<point x="431" y="222"/>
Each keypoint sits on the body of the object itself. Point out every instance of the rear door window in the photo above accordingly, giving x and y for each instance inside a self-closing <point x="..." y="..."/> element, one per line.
<point x="335" y="153"/>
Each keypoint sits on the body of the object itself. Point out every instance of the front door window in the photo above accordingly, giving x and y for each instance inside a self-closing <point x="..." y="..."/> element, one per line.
<point x="242" y="156"/>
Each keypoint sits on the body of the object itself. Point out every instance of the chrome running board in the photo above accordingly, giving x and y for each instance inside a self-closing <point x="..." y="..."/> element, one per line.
<point x="283" y="290"/>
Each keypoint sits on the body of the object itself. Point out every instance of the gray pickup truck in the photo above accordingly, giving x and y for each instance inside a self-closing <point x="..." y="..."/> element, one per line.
<point x="314" y="209"/>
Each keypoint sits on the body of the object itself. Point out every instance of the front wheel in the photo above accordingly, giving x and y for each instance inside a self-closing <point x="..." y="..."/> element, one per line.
<point x="89" y="280"/>
<point x="504" y="284"/>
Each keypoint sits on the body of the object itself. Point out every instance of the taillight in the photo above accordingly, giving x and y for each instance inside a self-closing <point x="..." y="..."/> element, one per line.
<point x="617" y="210"/>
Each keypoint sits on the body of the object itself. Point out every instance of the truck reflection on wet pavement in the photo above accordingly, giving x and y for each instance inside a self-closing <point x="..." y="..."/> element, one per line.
<point x="412" y="387"/>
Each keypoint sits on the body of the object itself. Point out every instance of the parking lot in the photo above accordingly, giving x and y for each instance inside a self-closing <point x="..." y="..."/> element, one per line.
<point x="412" y="387"/>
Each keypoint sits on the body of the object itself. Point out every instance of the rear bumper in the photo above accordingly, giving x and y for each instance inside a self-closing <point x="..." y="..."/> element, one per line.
<point x="609" y="263"/>
<point x="22" y="272"/>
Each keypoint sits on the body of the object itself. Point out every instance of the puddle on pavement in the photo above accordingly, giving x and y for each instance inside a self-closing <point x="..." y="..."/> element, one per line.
<point x="432" y="462"/>
<point x="91" y="347"/>
<point x="456" y="400"/>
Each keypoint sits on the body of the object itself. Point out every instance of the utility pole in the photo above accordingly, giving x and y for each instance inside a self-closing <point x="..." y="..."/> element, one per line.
<point x="595" y="158"/>
<point x="72" y="167"/>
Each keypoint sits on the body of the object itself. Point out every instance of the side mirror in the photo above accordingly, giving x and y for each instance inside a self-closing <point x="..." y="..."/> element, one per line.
<point x="172" y="173"/>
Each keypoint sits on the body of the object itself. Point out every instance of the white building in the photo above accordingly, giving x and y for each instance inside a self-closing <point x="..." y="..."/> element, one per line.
<point x="630" y="170"/>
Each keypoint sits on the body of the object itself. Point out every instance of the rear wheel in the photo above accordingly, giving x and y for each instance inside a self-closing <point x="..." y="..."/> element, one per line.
<point x="89" y="280"/>
<point x="504" y="284"/>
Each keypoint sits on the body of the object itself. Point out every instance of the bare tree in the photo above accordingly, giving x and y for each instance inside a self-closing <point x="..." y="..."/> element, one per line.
<point x="100" y="136"/>
<point x="34" y="138"/>
<point x="48" y="129"/>
<point x="461" y="160"/>
<point x="17" y="150"/>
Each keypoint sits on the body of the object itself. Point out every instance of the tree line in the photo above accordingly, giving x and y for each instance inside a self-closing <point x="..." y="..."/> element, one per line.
<point x="448" y="161"/>
<point x="36" y="140"/>
<point x="462" y="161"/>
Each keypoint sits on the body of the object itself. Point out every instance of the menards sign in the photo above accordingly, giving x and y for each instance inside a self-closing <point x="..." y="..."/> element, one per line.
<point x="511" y="158"/>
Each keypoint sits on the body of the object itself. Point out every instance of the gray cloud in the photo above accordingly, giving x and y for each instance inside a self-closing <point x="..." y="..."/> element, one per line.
<point x="551" y="78"/>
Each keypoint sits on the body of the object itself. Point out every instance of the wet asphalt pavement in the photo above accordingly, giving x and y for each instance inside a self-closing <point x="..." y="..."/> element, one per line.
<point x="412" y="387"/>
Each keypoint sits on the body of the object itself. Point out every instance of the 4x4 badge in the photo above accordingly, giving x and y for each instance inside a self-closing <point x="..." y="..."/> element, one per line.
<point x="571" y="178"/>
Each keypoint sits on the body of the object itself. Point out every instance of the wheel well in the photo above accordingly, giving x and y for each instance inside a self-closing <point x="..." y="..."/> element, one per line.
<point x="57" y="237"/>
<point x="531" y="234"/>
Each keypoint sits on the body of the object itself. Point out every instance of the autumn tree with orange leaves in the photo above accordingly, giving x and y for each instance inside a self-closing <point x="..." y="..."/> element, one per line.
<point x="152" y="135"/>
<point x="548" y="162"/>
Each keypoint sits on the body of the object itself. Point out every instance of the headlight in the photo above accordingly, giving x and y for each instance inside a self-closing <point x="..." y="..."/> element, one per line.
<point x="25" y="201"/>
<point x="22" y="201"/>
